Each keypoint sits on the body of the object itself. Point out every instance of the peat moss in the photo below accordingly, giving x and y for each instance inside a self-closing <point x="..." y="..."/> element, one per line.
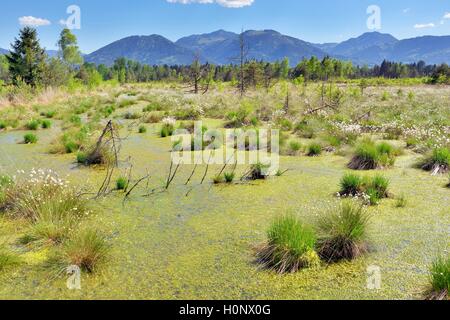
<point x="169" y="246"/>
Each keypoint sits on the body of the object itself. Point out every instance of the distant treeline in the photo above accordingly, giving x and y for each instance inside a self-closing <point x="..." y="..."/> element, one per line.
<point x="27" y="64"/>
<point x="260" y="72"/>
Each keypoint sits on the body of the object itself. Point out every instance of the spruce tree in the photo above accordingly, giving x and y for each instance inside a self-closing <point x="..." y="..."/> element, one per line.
<point x="27" y="58"/>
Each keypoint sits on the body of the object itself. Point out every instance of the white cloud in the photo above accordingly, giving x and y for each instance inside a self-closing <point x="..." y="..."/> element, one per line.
<point x="33" y="21"/>
<point x="447" y="15"/>
<point x="406" y="10"/>
<point x="424" y="25"/>
<point x="223" y="3"/>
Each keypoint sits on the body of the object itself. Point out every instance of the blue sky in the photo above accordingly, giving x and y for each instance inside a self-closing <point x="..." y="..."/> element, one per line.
<point x="103" y="22"/>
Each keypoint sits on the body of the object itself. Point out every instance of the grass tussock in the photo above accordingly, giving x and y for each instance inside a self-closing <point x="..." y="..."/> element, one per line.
<point x="52" y="207"/>
<point x="289" y="247"/>
<point x="440" y="279"/>
<point x="314" y="150"/>
<point x="343" y="233"/>
<point x="30" y="138"/>
<point x="8" y="259"/>
<point x="88" y="249"/>
<point x="370" y="156"/>
<point x="437" y="162"/>
<point x="372" y="189"/>
<point x="257" y="171"/>
<point x="95" y="155"/>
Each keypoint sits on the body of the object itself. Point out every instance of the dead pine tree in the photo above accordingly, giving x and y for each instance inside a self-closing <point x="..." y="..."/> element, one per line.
<point x="199" y="76"/>
<point x="243" y="51"/>
<point x="286" y="106"/>
<point x="106" y="151"/>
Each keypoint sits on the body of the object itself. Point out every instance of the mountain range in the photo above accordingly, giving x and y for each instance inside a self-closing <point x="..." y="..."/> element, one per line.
<point x="223" y="47"/>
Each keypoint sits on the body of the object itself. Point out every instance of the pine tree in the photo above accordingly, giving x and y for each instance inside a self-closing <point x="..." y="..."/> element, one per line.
<point x="27" y="58"/>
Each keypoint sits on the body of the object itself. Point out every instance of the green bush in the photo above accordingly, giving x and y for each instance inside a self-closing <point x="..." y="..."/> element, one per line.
<point x="343" y="233"/>
<point x="30" y="138"/>
<point x="289" y="247"/>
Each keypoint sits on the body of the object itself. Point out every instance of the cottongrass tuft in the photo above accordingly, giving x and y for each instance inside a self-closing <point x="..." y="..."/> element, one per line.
<point x="289" y="247"/>
<point x="52" y="207"/>
<point x="342" y="233"/>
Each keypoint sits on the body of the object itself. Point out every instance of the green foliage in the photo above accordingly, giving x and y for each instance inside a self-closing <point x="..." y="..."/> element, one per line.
<point x="30" y="138"/>
<point x="290" y="246"/>
<point x="343" y="233"/>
